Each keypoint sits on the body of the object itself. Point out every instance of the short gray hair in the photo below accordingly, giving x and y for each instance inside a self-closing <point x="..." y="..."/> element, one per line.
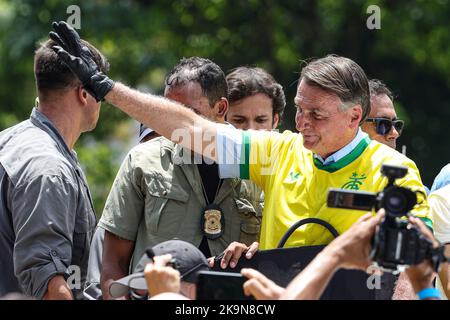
<point x="341" y="76"/>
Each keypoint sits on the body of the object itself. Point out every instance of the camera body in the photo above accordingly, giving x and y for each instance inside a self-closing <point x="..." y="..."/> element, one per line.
<point x="395" y="245"/>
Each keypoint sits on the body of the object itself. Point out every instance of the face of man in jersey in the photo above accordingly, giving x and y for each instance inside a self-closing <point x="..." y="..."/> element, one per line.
<point x="325" y="126"/>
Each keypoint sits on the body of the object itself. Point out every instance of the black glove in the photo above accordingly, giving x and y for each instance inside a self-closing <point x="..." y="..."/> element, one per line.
<point x="79" y="59"/>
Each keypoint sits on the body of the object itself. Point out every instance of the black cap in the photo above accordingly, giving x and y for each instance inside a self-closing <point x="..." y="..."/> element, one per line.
<point x="189" y="260"/>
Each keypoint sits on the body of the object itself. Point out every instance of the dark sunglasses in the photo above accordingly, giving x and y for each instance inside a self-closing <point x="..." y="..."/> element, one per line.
<point x="384" y="126"/>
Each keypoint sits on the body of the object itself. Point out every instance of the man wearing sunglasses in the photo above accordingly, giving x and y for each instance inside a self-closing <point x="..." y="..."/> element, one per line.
<point x="382" y="124"/>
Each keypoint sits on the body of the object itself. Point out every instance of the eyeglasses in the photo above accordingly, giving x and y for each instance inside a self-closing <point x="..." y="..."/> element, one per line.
<point x="384" y="126"/>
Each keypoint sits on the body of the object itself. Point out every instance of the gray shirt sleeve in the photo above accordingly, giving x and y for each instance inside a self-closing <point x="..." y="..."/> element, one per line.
<point x="43" y="220"/>
<point x="93" y="291"/>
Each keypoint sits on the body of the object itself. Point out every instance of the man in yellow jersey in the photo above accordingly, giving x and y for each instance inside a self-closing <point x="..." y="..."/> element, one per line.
<point x="294" y="170"/>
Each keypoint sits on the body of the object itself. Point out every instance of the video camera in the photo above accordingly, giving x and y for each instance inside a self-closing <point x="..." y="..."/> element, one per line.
<point x="395" y="245"/>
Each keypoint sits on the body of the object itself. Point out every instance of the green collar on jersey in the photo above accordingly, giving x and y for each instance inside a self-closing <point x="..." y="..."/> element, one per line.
<point x="341" y="163"/>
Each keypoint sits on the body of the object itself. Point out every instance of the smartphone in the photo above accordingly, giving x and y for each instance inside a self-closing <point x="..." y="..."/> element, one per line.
<point x="356" y="200"/>
<point x="215" y="285"/>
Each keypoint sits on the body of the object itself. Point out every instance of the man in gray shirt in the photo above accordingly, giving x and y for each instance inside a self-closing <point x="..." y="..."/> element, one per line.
<point x="46" y="212"/>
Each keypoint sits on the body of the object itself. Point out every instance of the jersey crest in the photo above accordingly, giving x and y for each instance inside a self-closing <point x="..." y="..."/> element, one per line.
<point x="355" y="181"/>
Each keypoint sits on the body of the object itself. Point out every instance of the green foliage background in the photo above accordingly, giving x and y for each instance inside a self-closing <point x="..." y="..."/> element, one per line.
<point x="144" y="39"/>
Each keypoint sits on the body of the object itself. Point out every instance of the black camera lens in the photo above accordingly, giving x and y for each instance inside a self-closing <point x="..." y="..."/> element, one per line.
<point x="398" y="201"/>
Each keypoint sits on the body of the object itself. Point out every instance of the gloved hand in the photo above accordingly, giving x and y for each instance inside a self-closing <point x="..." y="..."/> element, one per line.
<point x="79" y="59"/>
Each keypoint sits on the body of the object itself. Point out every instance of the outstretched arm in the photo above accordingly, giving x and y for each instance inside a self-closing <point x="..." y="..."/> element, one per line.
<point x="168" y="118"/>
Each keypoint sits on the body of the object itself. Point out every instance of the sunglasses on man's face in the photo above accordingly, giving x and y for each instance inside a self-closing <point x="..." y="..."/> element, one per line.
<point x="384" y="126"/>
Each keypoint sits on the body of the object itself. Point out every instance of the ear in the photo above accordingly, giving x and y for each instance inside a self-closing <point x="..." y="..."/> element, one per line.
<point x="355" y="116"/>
<point x="82" y="95"/>
<point x="276" y="120"/>
<point x="221" y="107"/>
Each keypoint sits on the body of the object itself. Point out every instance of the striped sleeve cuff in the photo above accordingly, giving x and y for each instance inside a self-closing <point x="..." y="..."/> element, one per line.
<point x="229" y="148"/>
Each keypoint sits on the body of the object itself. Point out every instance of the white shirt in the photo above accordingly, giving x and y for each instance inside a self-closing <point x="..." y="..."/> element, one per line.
<point x="439" y="202"/>
<point x="343" y="151"/>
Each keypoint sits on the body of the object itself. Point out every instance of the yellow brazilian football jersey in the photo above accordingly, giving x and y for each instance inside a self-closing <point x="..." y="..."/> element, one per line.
<point x="296" y="185"/>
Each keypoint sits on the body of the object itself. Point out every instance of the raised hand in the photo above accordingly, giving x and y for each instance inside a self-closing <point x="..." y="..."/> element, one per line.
<point x="352" y="248"/>
<point x="77" y="56"/>
<point x="67" y="38"/>
<point x="161" y="278"/>
<point x="84" y="69"/>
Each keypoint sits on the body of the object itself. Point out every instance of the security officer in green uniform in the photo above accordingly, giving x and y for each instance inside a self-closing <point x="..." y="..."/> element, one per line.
<point x="163" y="191"/>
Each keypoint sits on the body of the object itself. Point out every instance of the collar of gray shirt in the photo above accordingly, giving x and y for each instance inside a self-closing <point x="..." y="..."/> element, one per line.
<point x="44" y="123"/>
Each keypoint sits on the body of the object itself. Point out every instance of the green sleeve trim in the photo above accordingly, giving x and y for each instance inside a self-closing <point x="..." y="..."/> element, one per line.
<point x="428" y="222"/>
<point x="244" y="168"/>
<point x="352" y="156"/>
